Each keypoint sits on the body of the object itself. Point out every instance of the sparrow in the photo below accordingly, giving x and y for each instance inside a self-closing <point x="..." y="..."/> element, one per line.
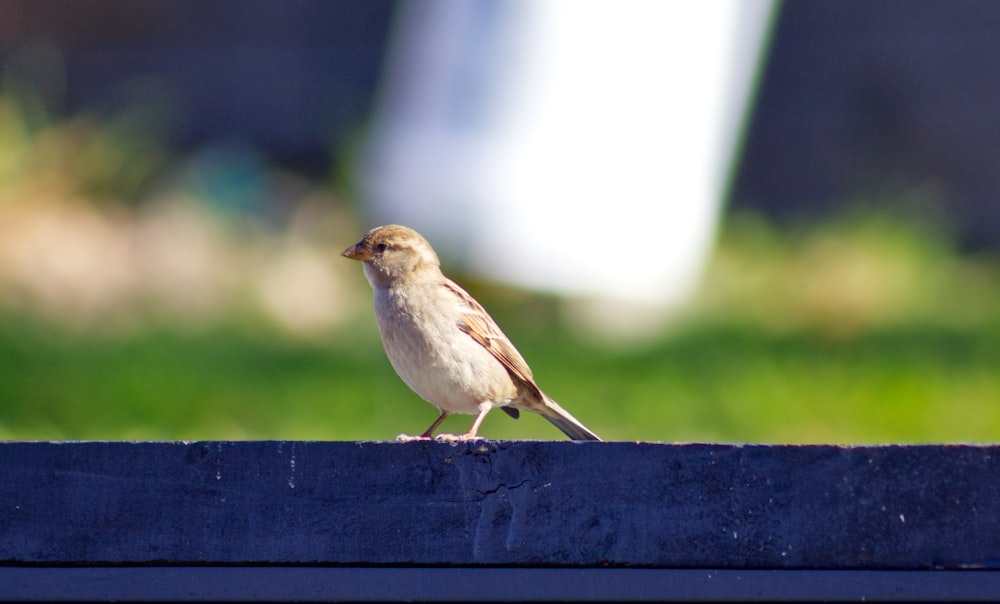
<point x="443" y="343"/>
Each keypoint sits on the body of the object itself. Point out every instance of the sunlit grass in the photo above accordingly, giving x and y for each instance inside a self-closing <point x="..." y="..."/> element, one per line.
<point x="715" y="378"/>
<point x="168" y="319"/>
<point x="910" y="356"/>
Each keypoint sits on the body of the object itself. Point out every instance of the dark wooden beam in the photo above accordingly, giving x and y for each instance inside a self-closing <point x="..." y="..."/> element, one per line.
<point x="487" y="584"/>
<point x="501" y="505"/>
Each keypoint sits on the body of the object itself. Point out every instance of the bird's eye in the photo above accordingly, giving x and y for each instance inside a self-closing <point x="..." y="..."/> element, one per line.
<point x="381" y="247"/>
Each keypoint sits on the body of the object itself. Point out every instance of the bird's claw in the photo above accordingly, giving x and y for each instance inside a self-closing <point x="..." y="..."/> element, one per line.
<point x="457" y="438"/>
<point x="406" y="438"/>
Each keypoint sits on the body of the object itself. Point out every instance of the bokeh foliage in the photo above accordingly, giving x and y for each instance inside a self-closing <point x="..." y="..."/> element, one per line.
<point x="867" y="327"/>
<point x="713" y="376"/>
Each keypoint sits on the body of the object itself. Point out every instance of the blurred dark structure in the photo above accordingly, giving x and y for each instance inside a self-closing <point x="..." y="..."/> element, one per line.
<point x="294" y="79"/>
<point x="860" y="99"/>
<point x="875" y="100"/>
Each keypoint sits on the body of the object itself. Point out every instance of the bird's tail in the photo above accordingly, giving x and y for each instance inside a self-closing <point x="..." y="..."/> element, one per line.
<point x="563" y="420"/>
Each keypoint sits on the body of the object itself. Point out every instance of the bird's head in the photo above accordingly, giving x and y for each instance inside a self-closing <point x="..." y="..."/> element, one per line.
<point x="393" y="253"/>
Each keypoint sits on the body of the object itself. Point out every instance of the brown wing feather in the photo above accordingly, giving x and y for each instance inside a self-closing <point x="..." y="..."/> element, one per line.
<point x="478" y="324"/>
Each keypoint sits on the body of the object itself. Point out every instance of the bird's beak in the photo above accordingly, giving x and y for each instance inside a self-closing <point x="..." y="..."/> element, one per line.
<point x="357" y="252"/>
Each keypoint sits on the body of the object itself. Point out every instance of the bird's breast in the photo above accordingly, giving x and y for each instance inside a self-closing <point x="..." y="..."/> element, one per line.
<point x="445" y="366"/>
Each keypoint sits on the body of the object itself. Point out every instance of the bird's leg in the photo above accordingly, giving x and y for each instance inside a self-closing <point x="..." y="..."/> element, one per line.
<point x="484" y="408"/>
<point x="428" y="433"/>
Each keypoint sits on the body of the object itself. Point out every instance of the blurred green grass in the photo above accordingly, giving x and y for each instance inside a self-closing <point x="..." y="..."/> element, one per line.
<point x="124" y="316"/>
<point x="711" y="383"/>
<point x="736" y="368"/>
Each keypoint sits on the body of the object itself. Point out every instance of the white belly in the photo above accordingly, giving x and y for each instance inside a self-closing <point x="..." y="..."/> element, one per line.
<point x="446" y="367"/>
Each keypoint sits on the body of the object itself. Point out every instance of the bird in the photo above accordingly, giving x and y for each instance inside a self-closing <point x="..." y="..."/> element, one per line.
<point x="442" y="342"/>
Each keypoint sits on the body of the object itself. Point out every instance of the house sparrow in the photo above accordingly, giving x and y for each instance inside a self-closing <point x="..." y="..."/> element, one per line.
<point x="442" y="342"/>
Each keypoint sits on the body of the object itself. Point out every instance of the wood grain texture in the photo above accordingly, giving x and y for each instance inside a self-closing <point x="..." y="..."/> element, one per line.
<point x="537" y="504"/>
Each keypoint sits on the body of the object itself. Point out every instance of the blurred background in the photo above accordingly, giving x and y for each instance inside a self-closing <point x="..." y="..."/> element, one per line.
<point x="750" y="222"/>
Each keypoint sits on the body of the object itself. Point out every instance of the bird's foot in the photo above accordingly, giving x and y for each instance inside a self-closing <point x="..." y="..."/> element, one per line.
<point x="457" y="438"/>
<point x="406" y="438"/>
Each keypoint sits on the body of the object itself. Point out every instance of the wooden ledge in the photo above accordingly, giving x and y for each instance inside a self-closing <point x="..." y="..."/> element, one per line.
<point x="501" y="503"/>
<point x="505" y="506"/>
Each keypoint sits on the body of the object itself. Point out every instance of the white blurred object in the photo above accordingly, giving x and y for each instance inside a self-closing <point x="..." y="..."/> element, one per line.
<point x="574" y="146"/>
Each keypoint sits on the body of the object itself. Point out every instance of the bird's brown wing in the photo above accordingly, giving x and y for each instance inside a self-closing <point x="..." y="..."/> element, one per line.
<point x="481" y="327"/>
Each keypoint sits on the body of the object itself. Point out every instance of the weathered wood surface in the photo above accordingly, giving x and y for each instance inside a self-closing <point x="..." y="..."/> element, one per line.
<point x="501" y="503"/>
<point x="486" y="584"/>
